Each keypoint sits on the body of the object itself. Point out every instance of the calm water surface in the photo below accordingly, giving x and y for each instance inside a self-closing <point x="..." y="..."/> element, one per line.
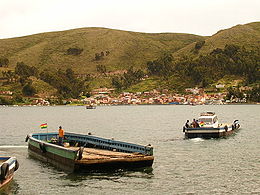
<point x="181" y="166"/>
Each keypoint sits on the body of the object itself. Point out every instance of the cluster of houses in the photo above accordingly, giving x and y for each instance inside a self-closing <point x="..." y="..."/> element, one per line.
<point x="194" y="97"/>
<point x="105" y="96"/>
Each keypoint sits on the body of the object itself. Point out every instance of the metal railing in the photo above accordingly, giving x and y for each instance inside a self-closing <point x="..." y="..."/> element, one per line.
<point x="98" y="142"/>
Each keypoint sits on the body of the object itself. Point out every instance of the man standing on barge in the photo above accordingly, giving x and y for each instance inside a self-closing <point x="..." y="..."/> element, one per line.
<point x="61" y="136"/>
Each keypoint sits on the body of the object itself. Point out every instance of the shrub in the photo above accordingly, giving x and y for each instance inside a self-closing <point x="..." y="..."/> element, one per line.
<point x="74" y="51"/>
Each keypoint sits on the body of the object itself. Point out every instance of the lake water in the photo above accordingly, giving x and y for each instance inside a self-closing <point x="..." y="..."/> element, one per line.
<point x="181" y="166"/>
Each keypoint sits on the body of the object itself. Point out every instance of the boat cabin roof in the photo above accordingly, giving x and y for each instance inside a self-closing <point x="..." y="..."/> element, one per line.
<point x="207" y="114"/>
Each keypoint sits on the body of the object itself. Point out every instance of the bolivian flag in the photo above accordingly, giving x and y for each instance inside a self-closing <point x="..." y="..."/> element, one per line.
<point x="202" y="123"/>
<point x="43" y="126"/>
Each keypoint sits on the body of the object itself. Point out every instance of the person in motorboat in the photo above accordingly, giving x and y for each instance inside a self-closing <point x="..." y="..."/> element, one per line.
<point x="195" y="124"/>
<point x="187" y="124"/>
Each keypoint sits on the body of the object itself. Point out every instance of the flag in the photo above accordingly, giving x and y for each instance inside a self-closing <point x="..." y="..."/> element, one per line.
<point x="202" y="123"/>
<point x="43" y="126"/>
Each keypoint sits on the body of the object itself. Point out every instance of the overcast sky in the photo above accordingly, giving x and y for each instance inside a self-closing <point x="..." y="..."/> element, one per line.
<point x="201" y="17"/>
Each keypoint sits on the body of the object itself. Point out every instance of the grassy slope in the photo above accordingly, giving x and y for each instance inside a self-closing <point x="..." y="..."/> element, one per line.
<point x="247" y="35"/>
<point x="48" y="50"/>
<point x="243" y="35"/>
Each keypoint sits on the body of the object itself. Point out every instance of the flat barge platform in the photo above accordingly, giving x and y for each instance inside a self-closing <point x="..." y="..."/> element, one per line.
<point x="86" y="153"/>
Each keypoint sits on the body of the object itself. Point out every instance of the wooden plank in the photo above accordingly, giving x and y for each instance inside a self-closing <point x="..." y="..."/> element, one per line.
<point x="110" y="160"/>
<point x="98" y="154"/>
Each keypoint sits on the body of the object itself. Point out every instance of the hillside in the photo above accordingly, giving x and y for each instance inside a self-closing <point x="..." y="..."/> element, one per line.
<point x="52" y="61"/>
<point x="121" y="49"/>
<point x="247" y="35"/>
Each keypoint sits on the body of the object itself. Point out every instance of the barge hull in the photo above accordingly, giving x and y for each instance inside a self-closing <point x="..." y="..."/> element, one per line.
<point x="56" y="160"/>
<point x="113" y="165"/>
<point x="78" y="155"/>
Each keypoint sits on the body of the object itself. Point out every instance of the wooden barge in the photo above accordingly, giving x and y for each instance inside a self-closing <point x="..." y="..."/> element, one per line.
<point x="209" y="127"/>
<point x="8" y="165"/>
<point x="84" y="153"/>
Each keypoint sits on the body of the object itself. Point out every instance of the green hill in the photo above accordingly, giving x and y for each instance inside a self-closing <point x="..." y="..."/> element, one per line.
<point x="247" y="35"/>
<point x="121" y="49"/>
<point x="84" y="50"/>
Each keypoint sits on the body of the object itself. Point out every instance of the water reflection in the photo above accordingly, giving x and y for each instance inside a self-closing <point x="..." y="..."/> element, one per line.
<point x="145" y="173"/>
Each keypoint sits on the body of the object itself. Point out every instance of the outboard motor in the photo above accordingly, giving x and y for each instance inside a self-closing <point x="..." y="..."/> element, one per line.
<point x="236" y="124"/>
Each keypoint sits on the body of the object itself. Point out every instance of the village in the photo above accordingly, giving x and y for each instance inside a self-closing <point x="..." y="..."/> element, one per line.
<point x="193" y="97"/>
<point x="106" y="96"/>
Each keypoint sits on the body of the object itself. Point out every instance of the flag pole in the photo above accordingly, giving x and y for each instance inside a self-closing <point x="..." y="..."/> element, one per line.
<point x="45" y="126"/>
<point x="47" y="133"/>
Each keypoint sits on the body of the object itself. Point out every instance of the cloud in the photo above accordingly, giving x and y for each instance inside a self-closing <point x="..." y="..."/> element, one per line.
<point x="202" y="17"/>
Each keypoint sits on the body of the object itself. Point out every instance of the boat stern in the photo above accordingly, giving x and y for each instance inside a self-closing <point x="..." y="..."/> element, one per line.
<point x="209" y="132"/>
<point x="8" y="165"/>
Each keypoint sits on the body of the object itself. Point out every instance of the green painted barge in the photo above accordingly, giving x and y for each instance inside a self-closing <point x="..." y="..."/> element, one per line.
<point x="84" y="153"/>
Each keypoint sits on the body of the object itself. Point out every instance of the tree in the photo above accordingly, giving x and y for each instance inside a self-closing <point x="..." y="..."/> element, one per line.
<point x="234" y="93"/>
<point x="163" y="66"/>
<point x="5" y="101"/>
<point x="74" y="51"/>
<point x="97" y="56"/>
<point x="231" y="50"/>
<point x="254" y="94"/>
<point x="199" y="45"/>
<point x="67" y="84"/>
<point x="18" y="98"/>
<point x="101" y="69"/>
<point x="129" y="78"/>
<point x="70" y="75"/>
<point x="116" y="82"/>
<point x="28" y="90"/>
<point x="24" y="70"/>
<point x="4" y="62"/>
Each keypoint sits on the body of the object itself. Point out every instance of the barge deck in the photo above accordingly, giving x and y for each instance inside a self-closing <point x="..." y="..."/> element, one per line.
<point x="84" y="153"/>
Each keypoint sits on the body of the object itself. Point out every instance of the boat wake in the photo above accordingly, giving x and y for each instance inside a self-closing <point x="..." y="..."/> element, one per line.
<point x="197" y="139"/>
<point x="13" y="146"/>
<point x="173" y="139"/>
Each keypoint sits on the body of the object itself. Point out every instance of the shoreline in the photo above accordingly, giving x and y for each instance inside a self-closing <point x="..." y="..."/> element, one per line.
<point x="103" y="105"/>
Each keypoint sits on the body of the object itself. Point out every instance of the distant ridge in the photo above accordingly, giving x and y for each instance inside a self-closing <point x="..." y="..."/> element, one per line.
<point x="116" y="49"/>
<point x="121" y="49"/>
<point x="247" y="35"/>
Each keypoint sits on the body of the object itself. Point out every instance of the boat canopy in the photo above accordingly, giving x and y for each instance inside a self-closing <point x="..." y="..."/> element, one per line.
<point x="207" y="114"/>
<point x="208" y="119"/>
